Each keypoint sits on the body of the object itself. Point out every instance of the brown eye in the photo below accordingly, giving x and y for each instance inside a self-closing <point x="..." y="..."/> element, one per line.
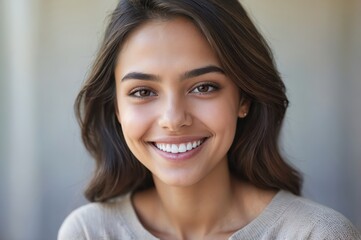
<point x="205" y="88"/>
<point x="142" y="93"/>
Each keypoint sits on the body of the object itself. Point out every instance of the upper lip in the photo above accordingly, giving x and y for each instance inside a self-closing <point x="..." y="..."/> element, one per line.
<point x="178" y="139"/>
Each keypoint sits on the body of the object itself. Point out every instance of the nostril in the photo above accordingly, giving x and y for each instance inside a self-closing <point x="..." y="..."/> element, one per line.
<point x="174" y="120"/>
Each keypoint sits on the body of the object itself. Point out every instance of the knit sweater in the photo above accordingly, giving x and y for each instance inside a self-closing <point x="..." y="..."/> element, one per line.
<point x="286" y="217"/>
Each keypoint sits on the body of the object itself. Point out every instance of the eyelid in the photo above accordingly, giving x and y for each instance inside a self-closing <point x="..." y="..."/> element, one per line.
<point x="211" y="84"/>
<point x="138" y="89"/>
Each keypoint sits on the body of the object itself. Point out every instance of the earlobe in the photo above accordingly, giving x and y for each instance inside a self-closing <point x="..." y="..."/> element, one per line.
<point x="242" y="115"/>
<point x="243" y="108"/>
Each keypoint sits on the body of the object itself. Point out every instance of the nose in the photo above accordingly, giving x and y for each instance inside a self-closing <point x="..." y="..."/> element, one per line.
<point x="174" y="114"/>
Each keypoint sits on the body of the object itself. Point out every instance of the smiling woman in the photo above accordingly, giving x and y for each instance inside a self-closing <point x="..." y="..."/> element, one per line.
<point x="177" y="85"/>
<point x="182" y="112"/>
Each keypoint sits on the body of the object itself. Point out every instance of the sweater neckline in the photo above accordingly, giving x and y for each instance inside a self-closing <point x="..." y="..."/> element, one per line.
<point x="253" y="230"/>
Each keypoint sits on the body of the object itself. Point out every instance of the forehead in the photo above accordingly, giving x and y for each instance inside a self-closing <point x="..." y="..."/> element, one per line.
<point x="159" y="29"/>
<point x="173" y="42"/>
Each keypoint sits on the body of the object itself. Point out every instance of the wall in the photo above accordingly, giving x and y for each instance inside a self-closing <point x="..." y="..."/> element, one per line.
<point x="47" y="47"/>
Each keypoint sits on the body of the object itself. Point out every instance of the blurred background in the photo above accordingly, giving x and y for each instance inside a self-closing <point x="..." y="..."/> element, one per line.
<point x="46" y="50"/>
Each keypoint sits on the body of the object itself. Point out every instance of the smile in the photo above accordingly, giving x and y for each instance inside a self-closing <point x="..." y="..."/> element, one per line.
<point x="178" y="148"/>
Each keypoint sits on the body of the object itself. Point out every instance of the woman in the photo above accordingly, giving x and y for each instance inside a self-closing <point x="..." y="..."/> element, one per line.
<point x="182" y="112"/>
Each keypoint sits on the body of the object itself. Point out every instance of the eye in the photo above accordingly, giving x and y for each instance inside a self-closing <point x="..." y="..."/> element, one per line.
<point x="142" y="93"/>
<point x="205" y="88"/>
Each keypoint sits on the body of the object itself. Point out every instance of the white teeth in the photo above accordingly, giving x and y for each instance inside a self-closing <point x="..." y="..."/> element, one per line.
<point x="189" y="146"/>
<point x="182" y="148"/>
<point x="174" y="148"/>
<point x="178" y="148"/>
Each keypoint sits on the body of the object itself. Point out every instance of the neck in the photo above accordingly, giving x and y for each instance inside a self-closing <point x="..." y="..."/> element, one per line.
<point x="199" y="209"/>
<point x="215" y="207"/>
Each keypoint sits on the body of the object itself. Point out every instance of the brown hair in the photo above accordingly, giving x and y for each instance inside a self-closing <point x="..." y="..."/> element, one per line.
<point x="247" y="60"/>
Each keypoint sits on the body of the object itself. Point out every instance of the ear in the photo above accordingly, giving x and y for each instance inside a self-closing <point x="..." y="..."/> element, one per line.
<point x="244" y="106"/>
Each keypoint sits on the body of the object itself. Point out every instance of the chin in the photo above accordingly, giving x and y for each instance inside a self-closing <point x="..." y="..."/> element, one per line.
<point x="178" y="181"/>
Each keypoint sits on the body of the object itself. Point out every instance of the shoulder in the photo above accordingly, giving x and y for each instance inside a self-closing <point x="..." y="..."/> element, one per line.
<point x="313" y="220"/>
<point x="98" y="220"/>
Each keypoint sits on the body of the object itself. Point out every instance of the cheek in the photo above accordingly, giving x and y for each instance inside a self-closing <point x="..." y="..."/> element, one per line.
<point x="220" y="115"/>
<point x="135" y="121"/>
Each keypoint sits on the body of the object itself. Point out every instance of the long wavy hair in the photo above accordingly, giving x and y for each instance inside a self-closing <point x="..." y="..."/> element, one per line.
<point x="246" y="59"/>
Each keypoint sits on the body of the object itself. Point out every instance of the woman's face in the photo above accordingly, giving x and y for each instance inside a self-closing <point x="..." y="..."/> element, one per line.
<point x="177" y="108"/>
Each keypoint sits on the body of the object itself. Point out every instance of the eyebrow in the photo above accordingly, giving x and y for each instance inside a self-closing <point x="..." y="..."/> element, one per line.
<point x="200" y="71"/>
<point x="189" y="74"/>
<point x="140" y="76"/>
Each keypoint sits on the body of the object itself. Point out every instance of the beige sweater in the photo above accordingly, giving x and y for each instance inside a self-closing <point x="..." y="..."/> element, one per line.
<point x="286" y="217"/>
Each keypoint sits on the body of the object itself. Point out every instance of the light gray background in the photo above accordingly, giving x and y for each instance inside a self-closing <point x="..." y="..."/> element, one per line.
<point x="47" y="47"/>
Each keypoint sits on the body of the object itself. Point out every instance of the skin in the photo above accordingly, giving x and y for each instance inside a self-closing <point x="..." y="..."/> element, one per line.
<point x="171" y="89"/>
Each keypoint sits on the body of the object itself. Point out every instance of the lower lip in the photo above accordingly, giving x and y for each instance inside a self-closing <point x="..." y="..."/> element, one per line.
<point x="178" y="157"/>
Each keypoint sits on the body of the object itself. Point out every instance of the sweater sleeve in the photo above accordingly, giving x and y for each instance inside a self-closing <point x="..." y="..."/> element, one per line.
<point x="315" y="221"/>
<point x="100" y="221"/>
<point x="86" y="222"/>
<point x="72" y="228"/>
<point x="335" y="226"/>
<point x="292" y="217"/>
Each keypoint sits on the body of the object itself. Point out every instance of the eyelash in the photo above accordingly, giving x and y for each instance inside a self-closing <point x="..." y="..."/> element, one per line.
<point x="211" y="87"/>
<point x="136" y="92"/>
<point x="214" y="87"/>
